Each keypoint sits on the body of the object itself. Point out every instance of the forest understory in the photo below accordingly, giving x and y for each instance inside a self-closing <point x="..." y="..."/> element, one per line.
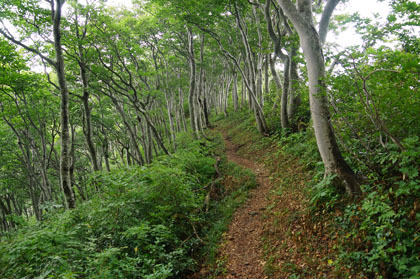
<point x="273" y="234"/>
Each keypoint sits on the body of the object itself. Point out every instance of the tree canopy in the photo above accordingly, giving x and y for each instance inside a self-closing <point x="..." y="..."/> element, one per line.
<point x="92" y="95"/>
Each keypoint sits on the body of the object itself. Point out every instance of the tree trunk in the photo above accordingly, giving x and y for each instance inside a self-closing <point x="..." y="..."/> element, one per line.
<point x="276" y="80"/>
<point x="88" y="121"/>
<point x="170" y="112"/>
<point x="235" y="91"/>
<point x="105" y="144"/>
<point x="130" y="129"/>
<point x="294" y="96"/>
<point x="191" y="95"/>
<point x="285" y="94"/>
<point x="65" y="115"/>
<point x="266" y="78"/>
<point x="85" y="98"/>
<point x="243" y="92"/>
<point x="333" y="161"/>
<point x="252" y="71"/>
<point x="181" y="105"/>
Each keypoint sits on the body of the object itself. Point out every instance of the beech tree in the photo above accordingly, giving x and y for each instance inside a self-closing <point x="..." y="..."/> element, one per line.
<point x="80" y="52"/>
<point x="28" y="109"/>
<point x="31" y="25"/>
<point x="302" y="18"/>
<point x="279" y="31"/>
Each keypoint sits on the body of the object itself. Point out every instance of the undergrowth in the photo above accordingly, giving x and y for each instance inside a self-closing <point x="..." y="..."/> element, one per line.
<point x="141" y="222"/>
<point x="378" y="235"/>
<point x="380" y="232"/>
<point x="232" y="191"/>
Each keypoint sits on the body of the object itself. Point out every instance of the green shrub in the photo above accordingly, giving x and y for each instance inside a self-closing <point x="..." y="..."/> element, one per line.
<point x="231" y="196"/>
<point x="380" y="231"/>
<point x="141" y="223"/>
<point x="387" y="218"/>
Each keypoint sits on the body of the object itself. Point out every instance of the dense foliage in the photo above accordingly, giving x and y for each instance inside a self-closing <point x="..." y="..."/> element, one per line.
<point x="144" y="223"/>
<point x="105" y="111"/>
<point x="380" y="232"/>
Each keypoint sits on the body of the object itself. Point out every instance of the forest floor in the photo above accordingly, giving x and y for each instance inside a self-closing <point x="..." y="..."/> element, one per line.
<point x="242" y="242"/>
<point x="274" y="234"/>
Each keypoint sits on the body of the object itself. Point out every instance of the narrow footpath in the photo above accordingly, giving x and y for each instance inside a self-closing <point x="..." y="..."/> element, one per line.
<point x="242" y="247"/>
<point x="274" y="234"/>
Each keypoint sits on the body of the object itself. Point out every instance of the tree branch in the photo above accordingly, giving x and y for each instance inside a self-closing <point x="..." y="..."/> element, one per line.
<point x="28" y="48"/>
<point x="325" y="19"/>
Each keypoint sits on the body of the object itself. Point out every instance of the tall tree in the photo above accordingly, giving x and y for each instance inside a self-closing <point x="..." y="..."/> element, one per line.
<point x="65" y="158"/>
<point x="80" y="52"/>
<point x="301" y="17"/>
<point x="58" y="64"/>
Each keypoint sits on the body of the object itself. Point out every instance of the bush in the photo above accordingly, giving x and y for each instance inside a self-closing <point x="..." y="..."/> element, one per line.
<point x="141" y="223"/>
<point x="380" y="232"/>
<point x="387" y="218"/>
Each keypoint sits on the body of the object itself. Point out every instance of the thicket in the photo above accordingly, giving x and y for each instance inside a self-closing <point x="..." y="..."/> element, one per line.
<point x="375" y="113"/>
<point x="141" y="222"/>
<point x="380" y="230"/>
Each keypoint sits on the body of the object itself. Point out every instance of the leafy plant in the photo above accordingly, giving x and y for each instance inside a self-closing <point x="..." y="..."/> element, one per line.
<point x="143" y="223"/>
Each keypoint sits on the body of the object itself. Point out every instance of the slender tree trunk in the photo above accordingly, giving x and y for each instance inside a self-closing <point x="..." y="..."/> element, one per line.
<point x="105" y="148"/>
<point x="235" y="91"/>
<point x="155" y="133"/>
<point x="149" y="143"/>
<point x="226" y="94"/>
<point x="105" y="143"/>
<point x="181" y="105"/>
<point x="131" y="131"/>
<point x="191" y="95"/>
<point x="177" y="112"/>
<point x="276" y="80"/>
<point x="243" y="92"/>
<point x="73" y="156"/>
<point x="65" y="115"/>
<point x="252" y="85"/>
<point x="260" y="86"/>
<point x="201" y="96"/>
<point x="266" y="78"/>
<point x="289" y="101"/>
<point x="205" y="104"/>
<point x="129" y="161"/>
<point x="85" y="97"/>
<point x="88" y="123"/>
<point x="43" y="163"/>
<point x="259" y="57"/>
<point x="35" y="205"/>
<point x="294" y="96"/>
<point x="206" y="113"/>
<point x="284" y="95"/>
<point x="170" y="112"/>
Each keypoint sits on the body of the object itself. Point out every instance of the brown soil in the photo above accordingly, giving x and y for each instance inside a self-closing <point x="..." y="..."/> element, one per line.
<point x="242" y="242"/>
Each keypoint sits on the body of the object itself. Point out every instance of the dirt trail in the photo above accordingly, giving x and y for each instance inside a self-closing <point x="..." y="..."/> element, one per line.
<point x="242" y="242"/>
<point x="275" y="223"/>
